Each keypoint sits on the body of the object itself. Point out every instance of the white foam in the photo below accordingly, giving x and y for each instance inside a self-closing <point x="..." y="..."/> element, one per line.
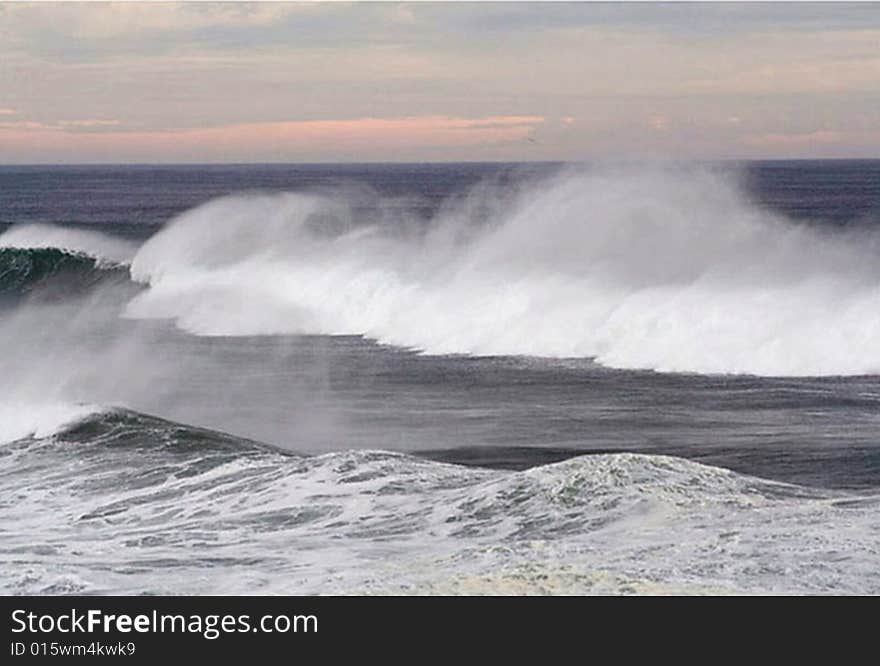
<point x="105" y="248"/>
<point x="21" y="420"/>
<point x="374" y="522"/>
<point x="674" y="270"/>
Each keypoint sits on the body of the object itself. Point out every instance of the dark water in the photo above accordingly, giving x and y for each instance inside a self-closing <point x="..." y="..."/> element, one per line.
<point x="138" y="199"/>
<point x="317" y="393"/>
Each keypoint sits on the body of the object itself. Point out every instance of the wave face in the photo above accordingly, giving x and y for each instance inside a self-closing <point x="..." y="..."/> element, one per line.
<point x="51" y="273"/>
<point x="121" y="502"/>
<point x="54" y="262"/>
<point x="671" y="270"/>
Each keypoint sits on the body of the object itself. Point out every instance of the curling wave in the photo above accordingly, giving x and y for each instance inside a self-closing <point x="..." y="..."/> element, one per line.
<point x="105" y="250"/>
<point x="52" y="272"/>
<point x="56" y="262"/>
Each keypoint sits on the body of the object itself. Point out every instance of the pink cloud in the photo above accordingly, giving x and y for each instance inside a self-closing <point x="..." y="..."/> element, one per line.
<point x="361" y="136"/>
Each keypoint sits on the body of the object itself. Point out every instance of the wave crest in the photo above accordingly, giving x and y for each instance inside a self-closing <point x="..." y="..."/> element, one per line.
<point x="106" y="250"/>
<point x="30" y="420"/>
<point x="664" y="270"/>
<point x="51" y="271"/>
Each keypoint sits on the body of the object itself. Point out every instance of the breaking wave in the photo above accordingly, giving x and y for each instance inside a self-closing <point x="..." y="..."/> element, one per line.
<point x="56" y="262"/>
<point x="649" y="269"/>
<point x="117" y="501"/>
<point x="105" y="250"/>
<point x="21" y="420"/>
<point x="51" y="272"/>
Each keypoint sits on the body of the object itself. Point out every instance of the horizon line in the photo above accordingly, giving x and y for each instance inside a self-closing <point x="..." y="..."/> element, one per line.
<point x="438" y="162"/>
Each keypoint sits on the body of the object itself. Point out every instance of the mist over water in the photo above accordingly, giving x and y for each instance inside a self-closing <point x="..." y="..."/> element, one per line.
<point x="259" y="314"/>
<point x="673" y="270"/>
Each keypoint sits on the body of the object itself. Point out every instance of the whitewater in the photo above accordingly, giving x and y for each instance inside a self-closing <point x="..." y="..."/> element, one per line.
<point x="672" y="272"/>
<point x="162" y="509"/>
<point x="665" y="270"/>
<point x="440" y="379"/>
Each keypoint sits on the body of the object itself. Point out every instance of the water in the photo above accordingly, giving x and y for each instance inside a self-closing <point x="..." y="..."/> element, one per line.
<point x="385" y="378"/>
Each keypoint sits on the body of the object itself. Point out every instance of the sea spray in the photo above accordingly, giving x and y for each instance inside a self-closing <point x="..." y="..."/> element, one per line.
<point x="665" y="269"/>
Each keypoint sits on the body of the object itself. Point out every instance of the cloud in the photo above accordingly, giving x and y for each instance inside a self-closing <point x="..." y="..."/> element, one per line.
<point x="494" y="123"/>
<point x="107" y="19"/>
<point x="370" y="138"/>
<point x="28" y="125"/>
<point x="414" y="131"/>
<point x="682" y="78"/>
<point x="59" y="125"/>
<point x="89" y="123"/>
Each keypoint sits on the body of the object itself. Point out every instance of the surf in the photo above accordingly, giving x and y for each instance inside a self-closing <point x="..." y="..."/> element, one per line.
<point x="106" y="497"/>
<point x="672" y="269"/>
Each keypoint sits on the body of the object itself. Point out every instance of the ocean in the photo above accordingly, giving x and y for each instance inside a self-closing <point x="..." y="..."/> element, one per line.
<point x="440" y="379"/>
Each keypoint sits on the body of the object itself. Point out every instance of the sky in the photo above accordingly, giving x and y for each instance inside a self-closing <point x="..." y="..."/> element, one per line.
<point x="361" y="82"/>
